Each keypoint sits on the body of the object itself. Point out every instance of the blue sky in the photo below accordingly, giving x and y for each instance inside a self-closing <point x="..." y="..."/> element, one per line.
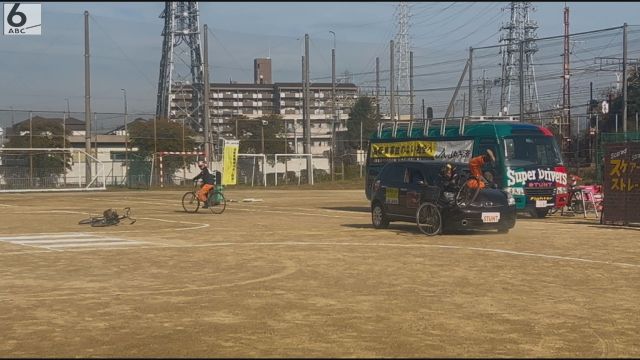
<point x="39" y="72"/>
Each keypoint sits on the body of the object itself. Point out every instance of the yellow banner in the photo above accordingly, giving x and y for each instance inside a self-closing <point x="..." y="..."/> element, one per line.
<point x="403" y="149"/>
<point x="449" y="150"/>
<point x="230" y="160"/>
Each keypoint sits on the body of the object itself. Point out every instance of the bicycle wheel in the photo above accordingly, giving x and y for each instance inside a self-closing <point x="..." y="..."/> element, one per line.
<point x="466" y="195"/>
<point x="102" y="223"/>
<point x="190" y="202"/>
<point x="90" y="220"/>
<point x="217" y="202"/>
<point x="128" y="214"/>
<point x="429" y="219"/>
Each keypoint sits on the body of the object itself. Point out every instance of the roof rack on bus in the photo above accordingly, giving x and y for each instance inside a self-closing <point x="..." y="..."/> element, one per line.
<point x="409" y="125"/>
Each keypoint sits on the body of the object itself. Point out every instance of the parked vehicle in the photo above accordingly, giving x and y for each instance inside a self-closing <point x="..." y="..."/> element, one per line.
<point x="411" y="191"/>
<point x="528" y="160"/>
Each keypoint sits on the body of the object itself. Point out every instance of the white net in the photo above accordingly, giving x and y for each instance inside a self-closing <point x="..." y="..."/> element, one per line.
<point x="50" y="169"/>
<point x="251" y="169"/>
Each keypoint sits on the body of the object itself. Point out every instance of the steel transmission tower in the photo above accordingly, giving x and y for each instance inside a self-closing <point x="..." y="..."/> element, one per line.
<point x="519" y="31"/>
<point x="402" y="57"/>
<point x="181" y="70"/>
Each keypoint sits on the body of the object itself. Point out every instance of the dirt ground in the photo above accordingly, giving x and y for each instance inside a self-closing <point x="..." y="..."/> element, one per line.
<point x="304" y="274"/>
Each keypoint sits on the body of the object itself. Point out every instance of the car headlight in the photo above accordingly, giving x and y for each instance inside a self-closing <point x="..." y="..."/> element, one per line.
<point x="514" y="190"/>
<point x="561" y="190"/>
<point x="510" y="199"/>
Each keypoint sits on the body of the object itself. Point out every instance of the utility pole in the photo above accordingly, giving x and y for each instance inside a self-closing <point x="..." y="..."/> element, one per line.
<point x="307" y="116"/>
<point x="205" y="101"/>
<point x="411" y="85"/>
<point x="87" y="98"/>
<point x="64" y="142"/>
<point x="31" y="146"/>
<point x="470" y="81"/>
<point x="378" y="87"/>
<point x="333" y="102"/>
<point x="565" y="127"/>
<point x="126" y="137"/>
<point x="391" y="82"/>
<point x="624" y="78"/>
<point x="521" y="78"/>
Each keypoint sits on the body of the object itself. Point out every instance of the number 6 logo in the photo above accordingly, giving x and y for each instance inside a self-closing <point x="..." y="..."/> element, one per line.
<point x="15" y="13"/>
<point x="22" y="19"/>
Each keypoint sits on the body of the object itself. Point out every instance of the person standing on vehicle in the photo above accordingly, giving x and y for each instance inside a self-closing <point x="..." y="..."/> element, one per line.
<point x="475" y="166"/>
<point x="208" y="182"/>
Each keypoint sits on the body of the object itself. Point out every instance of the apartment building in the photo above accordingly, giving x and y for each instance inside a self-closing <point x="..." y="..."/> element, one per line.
<point x="228" y="101"/>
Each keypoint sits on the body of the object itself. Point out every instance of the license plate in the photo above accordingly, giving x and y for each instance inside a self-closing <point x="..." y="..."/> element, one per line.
<point x="490" y="217"/>
<point x="541" y="203"/>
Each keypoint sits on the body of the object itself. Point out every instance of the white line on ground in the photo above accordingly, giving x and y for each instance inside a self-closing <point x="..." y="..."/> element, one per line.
<point x="113" y="243"/>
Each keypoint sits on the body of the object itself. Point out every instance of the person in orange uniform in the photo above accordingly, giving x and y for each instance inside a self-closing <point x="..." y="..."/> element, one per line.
<point x="208" y="182"/>
<point x="475" y="165"/>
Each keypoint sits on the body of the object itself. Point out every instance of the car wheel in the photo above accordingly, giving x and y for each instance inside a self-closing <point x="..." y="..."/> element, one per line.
<point x="378" y="217"/>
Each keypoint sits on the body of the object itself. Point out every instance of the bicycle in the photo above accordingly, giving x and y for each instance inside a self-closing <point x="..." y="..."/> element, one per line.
<point x="579" y="196"/>
<point x="109" y="217"/>
<point x="429" y="214"/>
<point x="215" y="201"/>
<point x="466" y="194"/>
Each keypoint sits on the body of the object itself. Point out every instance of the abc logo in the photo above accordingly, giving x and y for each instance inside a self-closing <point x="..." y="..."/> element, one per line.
<point x="22" y="19"/>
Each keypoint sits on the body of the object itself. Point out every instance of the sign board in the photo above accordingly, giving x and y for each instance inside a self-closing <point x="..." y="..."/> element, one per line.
<point x="605" y="107"/>
<point x="450" y="150"/>
<point x="230" y="162"/>
<point x="22" y="19"/>
<point x="621" y="182"/>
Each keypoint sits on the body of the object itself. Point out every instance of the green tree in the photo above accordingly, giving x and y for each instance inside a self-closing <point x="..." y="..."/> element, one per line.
<point x="47" y="133"/>
<point x="251" y="132"/>
<point x="170" y="137"/>
<point x="363" y="113"/>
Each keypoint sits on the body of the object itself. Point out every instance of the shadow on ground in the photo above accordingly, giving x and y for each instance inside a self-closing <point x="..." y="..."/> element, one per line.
<point x="365" y="209"/>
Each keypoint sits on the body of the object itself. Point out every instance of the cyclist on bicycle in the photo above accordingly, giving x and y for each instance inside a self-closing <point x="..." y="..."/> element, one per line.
<point x="208" y="182"/>
<point x="478" y="180"/>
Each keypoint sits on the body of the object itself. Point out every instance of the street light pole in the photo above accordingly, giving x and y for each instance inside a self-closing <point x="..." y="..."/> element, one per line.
<point x="262" y="136"/>
<point x="126" y="138"/>
<point x="333" y="103"/>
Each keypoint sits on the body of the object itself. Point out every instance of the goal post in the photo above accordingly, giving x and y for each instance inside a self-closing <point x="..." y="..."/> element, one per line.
<point x="253" y="167"/>
<point x="297" y="167"/>
<point x="49" y="169"/>
<point x="188" y="160"/>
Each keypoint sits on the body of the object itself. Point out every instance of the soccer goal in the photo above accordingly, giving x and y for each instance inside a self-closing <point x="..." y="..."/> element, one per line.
<point x="252" y="169"/>
<point x="176" y="166"/>
<point x="295" y="165"/>
<point x="50" y="169"/>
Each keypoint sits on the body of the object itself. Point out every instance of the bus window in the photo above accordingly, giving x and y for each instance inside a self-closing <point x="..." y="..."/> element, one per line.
<point x="487" y="143"/>
<point x="532" y="150"/>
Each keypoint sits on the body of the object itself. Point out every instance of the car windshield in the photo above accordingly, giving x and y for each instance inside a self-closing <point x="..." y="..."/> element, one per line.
<point x="531" y="150"/>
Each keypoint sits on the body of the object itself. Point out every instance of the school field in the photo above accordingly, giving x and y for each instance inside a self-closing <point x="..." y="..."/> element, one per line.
<point x="302" y="273"/>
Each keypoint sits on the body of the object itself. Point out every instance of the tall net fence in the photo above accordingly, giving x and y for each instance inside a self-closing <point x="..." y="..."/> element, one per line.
<point x="50" y="169"/>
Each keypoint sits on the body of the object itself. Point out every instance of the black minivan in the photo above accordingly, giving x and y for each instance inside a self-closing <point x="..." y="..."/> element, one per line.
<point x="402" y="187"/>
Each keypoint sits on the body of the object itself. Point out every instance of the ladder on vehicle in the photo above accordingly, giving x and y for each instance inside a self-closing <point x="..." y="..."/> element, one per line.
<point x="427" y="124"/>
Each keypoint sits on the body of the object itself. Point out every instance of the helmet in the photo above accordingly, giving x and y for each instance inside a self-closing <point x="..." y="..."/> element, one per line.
<point x="447" y="169"/>
<point x="202" y="164"/>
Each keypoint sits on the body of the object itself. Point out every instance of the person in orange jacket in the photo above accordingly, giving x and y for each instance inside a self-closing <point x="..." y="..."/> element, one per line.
<point x="207" y="180"/>
<point x="475" y="165"/>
